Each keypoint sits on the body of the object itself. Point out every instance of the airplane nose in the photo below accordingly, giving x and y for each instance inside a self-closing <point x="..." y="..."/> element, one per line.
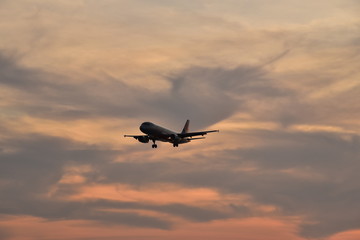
<point x="145" y="126"/>
<point x="142" y="127"/>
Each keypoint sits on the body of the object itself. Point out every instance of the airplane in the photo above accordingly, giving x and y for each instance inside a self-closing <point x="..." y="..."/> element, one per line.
<point x="156" y="133"/>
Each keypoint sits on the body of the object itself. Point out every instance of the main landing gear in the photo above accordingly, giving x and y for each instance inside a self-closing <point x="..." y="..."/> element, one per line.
<point x="175" y="145"/>
<point x="154" y="145"/>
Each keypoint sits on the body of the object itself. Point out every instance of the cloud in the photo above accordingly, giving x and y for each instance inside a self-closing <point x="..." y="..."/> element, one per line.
<point x="4" y="234"/>
<point x="39" y="161"/>
<point x="292" y="171"/>
<point x="194" y="93"/>
<point x="31" y="167"/>
<point x="90" y="70"/>
<point x="309" y="176"/>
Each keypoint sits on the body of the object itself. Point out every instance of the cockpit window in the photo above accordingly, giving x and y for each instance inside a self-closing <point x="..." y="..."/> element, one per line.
<point x="147" y="123"/>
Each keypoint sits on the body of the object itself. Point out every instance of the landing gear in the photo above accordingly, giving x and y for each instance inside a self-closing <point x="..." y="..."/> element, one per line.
<point x="175" y="145"/>
<point x="154" y="145"/>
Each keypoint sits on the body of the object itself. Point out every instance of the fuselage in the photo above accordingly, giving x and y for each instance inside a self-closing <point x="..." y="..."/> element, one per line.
<point x="160" y="133"/>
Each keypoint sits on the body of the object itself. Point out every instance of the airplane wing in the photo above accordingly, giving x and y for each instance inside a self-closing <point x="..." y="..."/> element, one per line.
<point x="191" y="134"/>
<point x="136" y="136"/>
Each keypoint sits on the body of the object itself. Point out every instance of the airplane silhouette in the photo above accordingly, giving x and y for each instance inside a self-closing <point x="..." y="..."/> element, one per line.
<point x="156" y="133"/>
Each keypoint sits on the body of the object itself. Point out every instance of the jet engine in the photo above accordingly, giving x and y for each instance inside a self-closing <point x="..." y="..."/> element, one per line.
<point x="143" y="139"/>
<point x="175" y="138"/>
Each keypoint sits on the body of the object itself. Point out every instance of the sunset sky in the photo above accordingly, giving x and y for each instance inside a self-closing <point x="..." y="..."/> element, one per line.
<point x="280" y="79"/>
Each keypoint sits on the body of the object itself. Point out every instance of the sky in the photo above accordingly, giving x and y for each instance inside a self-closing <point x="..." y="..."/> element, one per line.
<point x="279" y="79"/>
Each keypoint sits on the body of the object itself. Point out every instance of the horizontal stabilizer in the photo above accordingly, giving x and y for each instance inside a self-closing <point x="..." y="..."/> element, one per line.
<point x="190" y="134"/>
<point x="197" y="138"/>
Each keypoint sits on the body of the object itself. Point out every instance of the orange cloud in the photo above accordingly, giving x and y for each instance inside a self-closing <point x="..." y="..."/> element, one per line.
<point x="158" y="194"/>
<point x="31" y="228"/>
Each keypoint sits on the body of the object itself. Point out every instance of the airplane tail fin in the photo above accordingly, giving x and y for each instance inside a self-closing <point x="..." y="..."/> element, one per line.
<point x="186" y="127"/>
